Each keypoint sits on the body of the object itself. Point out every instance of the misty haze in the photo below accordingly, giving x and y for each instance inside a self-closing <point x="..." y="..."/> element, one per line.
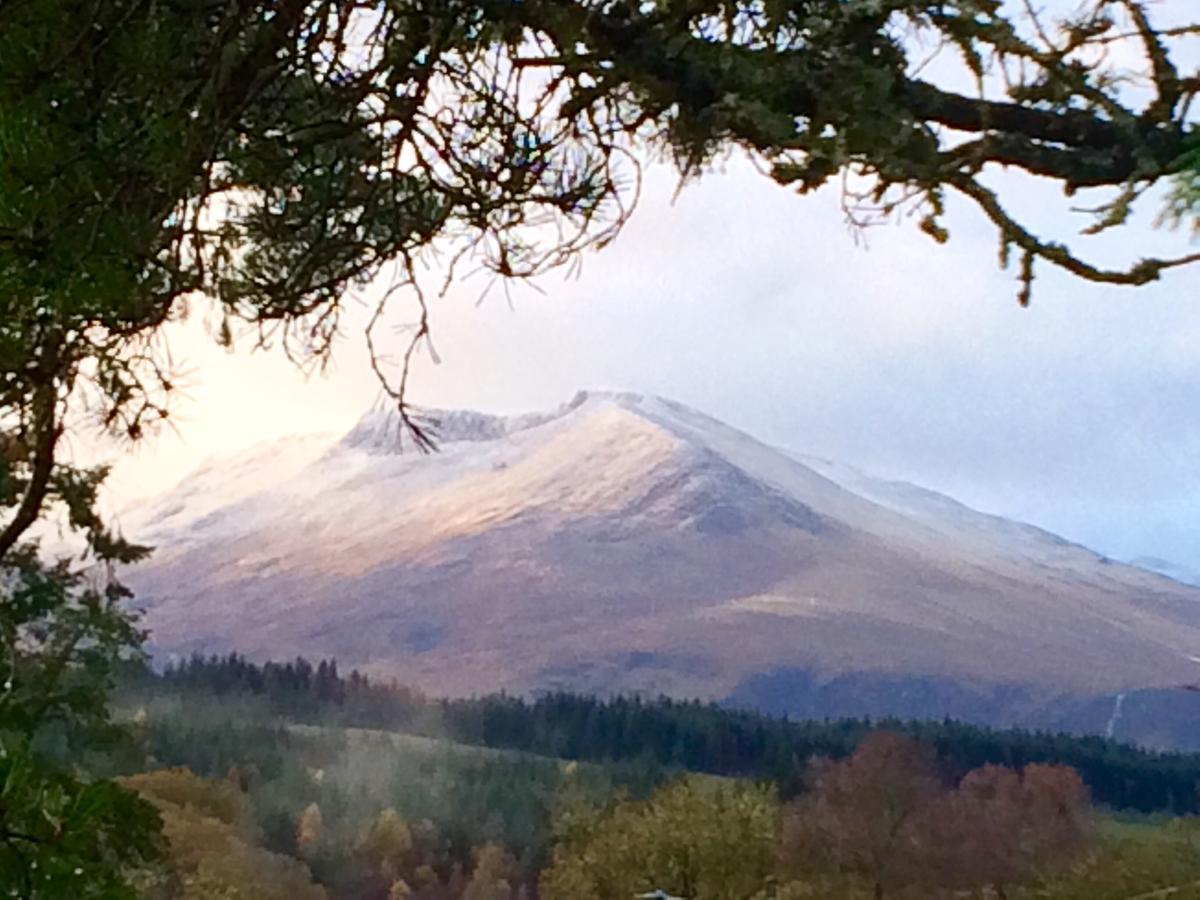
<point x="593" y="449"/>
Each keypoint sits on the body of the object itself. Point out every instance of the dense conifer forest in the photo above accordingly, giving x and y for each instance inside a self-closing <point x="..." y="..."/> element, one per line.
<point x="663" y="734"/>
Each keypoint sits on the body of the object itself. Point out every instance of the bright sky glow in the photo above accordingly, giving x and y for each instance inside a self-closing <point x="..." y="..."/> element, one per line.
<point x="1080" y="414"/>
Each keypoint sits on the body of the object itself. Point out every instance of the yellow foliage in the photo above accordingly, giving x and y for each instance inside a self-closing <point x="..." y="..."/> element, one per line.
<point x="385" y="843"/>
<point x="693" y="838"/>
<point x="568" y="876"/>
<point x="217" y="799"/>
<point x="426" y="877"/>
<point x="490" y="877"/>
<point x="309" y="828"/>
<point x="209" y="829"/>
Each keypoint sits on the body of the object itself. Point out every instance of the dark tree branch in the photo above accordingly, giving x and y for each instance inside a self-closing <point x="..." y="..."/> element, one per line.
<point x="46" y="432"/>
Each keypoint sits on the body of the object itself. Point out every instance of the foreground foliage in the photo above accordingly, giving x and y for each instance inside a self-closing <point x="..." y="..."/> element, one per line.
<point x="63" y="833"/>
<point x="375" y="815"/>
<point x="271" y="157"/>
<point x="65" y="836"/>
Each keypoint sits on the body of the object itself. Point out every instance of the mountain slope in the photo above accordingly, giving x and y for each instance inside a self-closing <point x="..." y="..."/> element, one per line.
<point x="629" y="543"/>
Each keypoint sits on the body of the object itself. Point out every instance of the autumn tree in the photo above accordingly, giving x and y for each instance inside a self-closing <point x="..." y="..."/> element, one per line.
<point x="694" y="838"/>
<point x="1002" y="828"/>
<point x="493" y="875"/>
<point x="258" y="162"/>
<point x="214" y="845"/>
<point x="867" y="815"/>
<point x="310" y="828"/>
<point x="884" y="816"/>
<point x="384" y="846"/>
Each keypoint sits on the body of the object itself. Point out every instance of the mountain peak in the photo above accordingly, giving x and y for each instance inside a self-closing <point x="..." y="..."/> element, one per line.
<point x="548" y="549"/>
<point x="380" y="430"/>
<point x="628" y="399"/>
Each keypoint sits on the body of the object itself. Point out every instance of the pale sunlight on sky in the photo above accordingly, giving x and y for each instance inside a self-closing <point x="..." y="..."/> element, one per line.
<point x="910" y="360"/>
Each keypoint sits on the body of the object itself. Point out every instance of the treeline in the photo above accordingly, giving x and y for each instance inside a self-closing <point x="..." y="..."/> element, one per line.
<point x="690" y="735"/>
<point x="881" y="824"/>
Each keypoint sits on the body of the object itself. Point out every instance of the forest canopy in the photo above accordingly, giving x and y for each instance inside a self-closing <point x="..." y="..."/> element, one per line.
<point x="269" y="160"/>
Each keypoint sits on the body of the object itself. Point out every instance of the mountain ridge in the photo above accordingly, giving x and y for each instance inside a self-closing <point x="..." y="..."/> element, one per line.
<point x="626" y="542"/>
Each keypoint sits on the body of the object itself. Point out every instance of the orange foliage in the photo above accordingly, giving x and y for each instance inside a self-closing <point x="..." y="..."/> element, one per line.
<point x="885" y="816"/>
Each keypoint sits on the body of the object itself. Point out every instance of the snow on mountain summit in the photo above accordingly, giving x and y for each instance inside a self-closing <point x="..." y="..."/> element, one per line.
<point x="546" y="549"/>
<point x="382" y="431"/>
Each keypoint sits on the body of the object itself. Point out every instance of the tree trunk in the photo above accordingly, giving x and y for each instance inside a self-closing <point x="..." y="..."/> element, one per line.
<point x="41" y="466"/>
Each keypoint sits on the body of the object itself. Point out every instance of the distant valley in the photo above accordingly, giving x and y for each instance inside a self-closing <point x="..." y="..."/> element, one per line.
<point x="624" y="543"/>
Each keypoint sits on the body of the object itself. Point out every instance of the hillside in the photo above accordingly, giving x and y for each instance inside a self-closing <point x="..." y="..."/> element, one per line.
<point x="631" y="737"/>
<point x="628" y="543"/>
<point x="283" y="800"/>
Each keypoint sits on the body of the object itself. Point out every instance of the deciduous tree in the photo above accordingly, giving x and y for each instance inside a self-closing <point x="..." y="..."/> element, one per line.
<point x="868" y="815"/>
<point x="693" y="838"/>
<point x="1002" y="828"/>
<point x="260" y="160"/>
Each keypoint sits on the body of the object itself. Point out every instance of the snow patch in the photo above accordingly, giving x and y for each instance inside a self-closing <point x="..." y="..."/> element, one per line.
<point x="774" y="605"/>
<point x="1111" y="728"/>
<point x="382" y="431"/>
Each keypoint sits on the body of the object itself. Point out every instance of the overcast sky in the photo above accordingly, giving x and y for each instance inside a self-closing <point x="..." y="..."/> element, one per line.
<point x="910" y="360"/>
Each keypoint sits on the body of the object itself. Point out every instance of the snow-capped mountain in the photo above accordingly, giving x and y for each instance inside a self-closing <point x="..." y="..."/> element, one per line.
<point x="623" y="542"/>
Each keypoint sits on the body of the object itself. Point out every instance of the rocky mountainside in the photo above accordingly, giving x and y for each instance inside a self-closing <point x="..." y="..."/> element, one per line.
<point x="624" y="543"/>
